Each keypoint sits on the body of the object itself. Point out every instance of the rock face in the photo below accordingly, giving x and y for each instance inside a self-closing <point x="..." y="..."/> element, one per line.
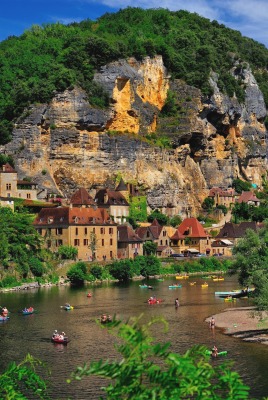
<point x="67" y="143"/>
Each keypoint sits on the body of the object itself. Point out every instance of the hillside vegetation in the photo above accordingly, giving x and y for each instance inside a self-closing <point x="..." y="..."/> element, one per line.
<point x="54" y="57"/>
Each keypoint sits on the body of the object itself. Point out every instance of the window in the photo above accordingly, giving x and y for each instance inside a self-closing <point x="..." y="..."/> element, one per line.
<point x="164" y="233"/>
<point x="48" y="244"/>
<point x="76" y="242"/>
<point x="39" y="231"/>
<point x="85" y="231"/>
<point x="161" y="242"/>
<point x="58" y="242"/>
<point x="102" y="242"/>
<point x="28" y="195"/>
<point x="111" y="242"/>
<point x="94" y="230"/>
<point x="166" y="242"/>
<point x="59" y="231"/>
<point x="102" y="231"/>
<point x="8" y="186"/>
<point x="76" y="231"/>
<point x="85" y="242"/>
<point x="111" y="231"/>
<point x="111" y="254"/>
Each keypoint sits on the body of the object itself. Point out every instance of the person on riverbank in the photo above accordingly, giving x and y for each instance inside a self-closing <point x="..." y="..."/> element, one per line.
<point x="212" y="323"/>
<point x="177" y="303"/>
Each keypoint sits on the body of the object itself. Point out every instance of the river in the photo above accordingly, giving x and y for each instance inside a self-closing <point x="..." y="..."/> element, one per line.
<point x="31" y="334"/>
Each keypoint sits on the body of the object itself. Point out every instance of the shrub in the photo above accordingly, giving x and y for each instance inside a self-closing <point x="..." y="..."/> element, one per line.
<point x="68" y="252"/>
<point x="77" y="273"/>
<point x="96" y="271"/>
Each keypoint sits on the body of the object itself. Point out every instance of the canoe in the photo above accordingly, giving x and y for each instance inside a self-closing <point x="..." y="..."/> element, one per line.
<point x="89" y="295"/>
<point x="154" y="301"/>
<point x="3" y="318"/>
<point x="235" y="293"/>
<point x="28" y="312"/>
<point x="204" y="285"/>
<point x="174" y="286"/>
<point x="182" y="276"/>
<point x="160" y="280"/>
<point x="218" y="279"/>
<point x="229" y="298"/>
<point x="220" y="353"/>
<point x="146" y="287"/>
<point x="67" y="308"/>
<point x="58" y="339"/>
<point x="192" y="283"/>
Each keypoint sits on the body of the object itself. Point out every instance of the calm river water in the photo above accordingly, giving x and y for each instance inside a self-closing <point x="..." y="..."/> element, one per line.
<point x="31" y="334"/>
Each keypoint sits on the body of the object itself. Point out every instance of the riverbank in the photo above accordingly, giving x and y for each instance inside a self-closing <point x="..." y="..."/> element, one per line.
<point x="243" y="323"/>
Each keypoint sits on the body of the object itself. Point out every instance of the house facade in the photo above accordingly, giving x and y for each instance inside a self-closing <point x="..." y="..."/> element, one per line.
<point x="115" y="203"/>
<point x="130" y="244"/>
<point x="249" y="198"/>
<point x="91" y="231"/>
<point x="191" y="238"/>
<point x="10" y="186"/>
<point x="223" y="197"/>
<point x="233" y="232"/>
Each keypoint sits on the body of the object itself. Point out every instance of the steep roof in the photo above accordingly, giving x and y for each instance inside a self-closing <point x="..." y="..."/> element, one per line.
<point x="7" y="168"/>
<point x="65" y="216"/>
<point x="121" y="186"/>
<point x="222" y="192"/>
<point x="106" y="197"/>
<point x="231" y="230"/>
<point x="246" y="197"/>
<point x="127" y="234"/>
<point x="177" y="236"/>
<point x="191" y="227"/>
<point x="81" y="197"/>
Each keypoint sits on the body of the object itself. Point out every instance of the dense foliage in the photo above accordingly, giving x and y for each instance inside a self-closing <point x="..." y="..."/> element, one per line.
<point x="54" y="57"/>
<point x="77" y="273"/>
<point x="19" y="241"/>
<point x="251" y="263"/>
<point x="149" y="370"/>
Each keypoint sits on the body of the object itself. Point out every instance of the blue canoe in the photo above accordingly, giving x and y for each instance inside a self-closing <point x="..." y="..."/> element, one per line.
<point x="174" y="286"/>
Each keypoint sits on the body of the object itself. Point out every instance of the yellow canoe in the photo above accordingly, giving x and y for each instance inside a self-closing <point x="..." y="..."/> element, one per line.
<point x="218" y="279"/>
<point x="192" y="283"/>
<point x="204" y="285"/>
<point x="182" y="276"/>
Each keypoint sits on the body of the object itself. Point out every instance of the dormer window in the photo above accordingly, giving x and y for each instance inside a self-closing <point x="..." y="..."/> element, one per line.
<point x="76" y="220"/>
<point x="61" y="219"/>
<point x="50" y="220"/>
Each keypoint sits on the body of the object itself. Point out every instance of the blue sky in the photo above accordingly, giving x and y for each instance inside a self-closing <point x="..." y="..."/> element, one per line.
<point x="248" y="16"/>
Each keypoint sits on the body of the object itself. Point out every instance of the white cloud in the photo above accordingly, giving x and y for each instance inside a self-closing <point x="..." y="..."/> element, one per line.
<point x="64" y="20"/>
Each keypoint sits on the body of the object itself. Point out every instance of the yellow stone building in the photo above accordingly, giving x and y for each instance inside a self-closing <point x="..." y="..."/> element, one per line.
<point x="92" y="231"/>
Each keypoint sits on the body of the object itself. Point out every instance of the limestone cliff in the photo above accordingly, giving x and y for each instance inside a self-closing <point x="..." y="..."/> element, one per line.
<point x="68" y="143"/>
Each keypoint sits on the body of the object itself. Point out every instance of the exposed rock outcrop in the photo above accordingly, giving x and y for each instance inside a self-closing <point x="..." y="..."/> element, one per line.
<point x="68" y="143"/>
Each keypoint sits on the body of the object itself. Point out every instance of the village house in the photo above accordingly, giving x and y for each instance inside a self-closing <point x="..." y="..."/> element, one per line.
<point x="249" y="198"/>
<point x="191" y="238"/>
<point x="115" y="203"/>
<point x="81" y="198"/>
<point x="223" y="197"/>
<point x="10" y="186"/>
<point x="91" y="231"/>
<point x="130" y="244"/>
<point x="229" y="234"/>
<point x="158" y="234"/>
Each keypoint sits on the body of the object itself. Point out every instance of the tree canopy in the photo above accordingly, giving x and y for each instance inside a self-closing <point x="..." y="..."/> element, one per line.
<point x="53" y="57"/>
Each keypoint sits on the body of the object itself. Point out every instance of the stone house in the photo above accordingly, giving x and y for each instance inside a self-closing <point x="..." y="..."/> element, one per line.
<point x="130" y="244"/>
<point x="249" y="198"/>
<point x="158" y="234"/>
<point x="229" y="234"/>
<point x="10" y="186"/>
<point x="81" y="198"/>
<point x="223" y="197"/>
<point x="191" y="238"/>
<point x="115" y="203"/>
<point x="79" y="227"/>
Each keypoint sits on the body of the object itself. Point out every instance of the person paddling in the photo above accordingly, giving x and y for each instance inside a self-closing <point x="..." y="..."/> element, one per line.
<point x="177" y="303"/>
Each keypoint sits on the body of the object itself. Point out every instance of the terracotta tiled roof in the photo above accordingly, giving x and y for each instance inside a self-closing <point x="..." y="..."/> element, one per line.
<point x="81" y="197"/>
<point x="25" y="183"/>
<point x="127" y="234"/>
<point x="246" y="197"/>
<point x="191" y="227"/>
<point x="113" y="198"/>
<point x="7" y="168"/>
<point x="177" y="236"/>
<point x="222" y="192"/>
<point x="64" y="216"/>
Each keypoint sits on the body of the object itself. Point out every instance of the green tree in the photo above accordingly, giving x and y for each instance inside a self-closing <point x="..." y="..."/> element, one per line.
<point x="77" y="273"/>
<point x="121" y="270"/>
<point x="149" y="370"/>
<point x="175" y="221"/>
<point x="151" y="266"/>
<point x="21" y="381"/>
<point x="96" y="271"/>
<point x="93" y="243"/>
<point x="36" y="266"/>
<point x="208" y="203"/>
<point x="149" y="248"/>
<point x="241" y="186"/>
<point x="68" y="252"/>
<point x="160" y="217"/>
